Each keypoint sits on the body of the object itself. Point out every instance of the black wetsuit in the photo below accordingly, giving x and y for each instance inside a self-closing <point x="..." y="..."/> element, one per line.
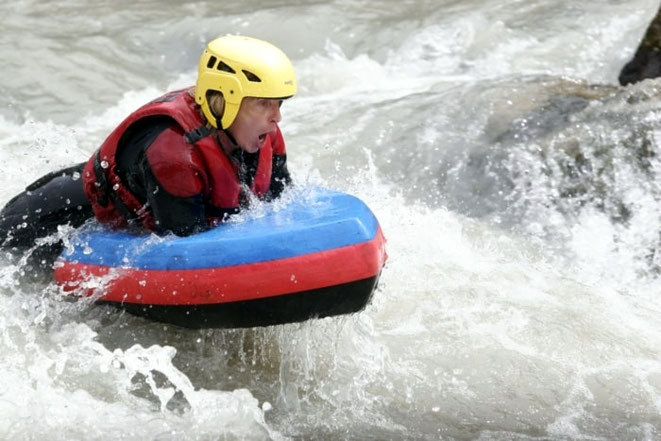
<point x="53" y="200"/>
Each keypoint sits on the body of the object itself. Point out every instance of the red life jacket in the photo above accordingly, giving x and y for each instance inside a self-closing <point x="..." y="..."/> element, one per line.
<point x="114" y="204"/>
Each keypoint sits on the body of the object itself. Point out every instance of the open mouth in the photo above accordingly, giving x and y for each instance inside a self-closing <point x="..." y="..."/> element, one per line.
<point x="261" y="140"/>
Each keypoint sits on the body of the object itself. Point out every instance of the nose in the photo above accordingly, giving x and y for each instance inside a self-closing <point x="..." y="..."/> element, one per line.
<point x="276" y="116"/>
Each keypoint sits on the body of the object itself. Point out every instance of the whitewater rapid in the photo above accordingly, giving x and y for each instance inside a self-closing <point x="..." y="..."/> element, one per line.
<point x="515" y="182"/>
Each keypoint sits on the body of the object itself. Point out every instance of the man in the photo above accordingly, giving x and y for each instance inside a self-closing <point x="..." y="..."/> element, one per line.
<point x="180" y="163"/>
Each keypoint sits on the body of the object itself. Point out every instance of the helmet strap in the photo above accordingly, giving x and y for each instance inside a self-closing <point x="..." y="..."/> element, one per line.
<point x="231" y="138"/>
<point x="226" y="141"/>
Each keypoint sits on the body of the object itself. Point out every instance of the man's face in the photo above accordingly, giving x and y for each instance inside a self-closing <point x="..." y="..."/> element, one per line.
<point x="257" y="118"/>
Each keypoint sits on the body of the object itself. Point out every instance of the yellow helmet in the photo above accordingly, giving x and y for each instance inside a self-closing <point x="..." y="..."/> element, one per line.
<point x="241" y="67"/>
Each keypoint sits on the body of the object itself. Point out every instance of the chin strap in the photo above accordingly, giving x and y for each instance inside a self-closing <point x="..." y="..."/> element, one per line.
<point x="231" y="138"/>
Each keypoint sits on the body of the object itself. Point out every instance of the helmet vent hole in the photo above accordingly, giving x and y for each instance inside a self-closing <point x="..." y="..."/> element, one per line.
<point x="252" y="77"/>
<point x="211" y="62"/>
<point x="225" y="68"/>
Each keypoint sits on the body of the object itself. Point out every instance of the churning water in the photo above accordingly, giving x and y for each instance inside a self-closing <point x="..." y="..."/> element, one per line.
<point x="519" y="188"/>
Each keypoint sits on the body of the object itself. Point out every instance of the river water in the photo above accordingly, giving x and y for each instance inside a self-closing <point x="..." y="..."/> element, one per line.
<point x="519" y="188"/>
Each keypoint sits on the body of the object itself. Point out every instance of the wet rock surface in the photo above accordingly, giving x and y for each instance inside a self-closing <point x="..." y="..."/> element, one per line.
<point x="646" y="63"/>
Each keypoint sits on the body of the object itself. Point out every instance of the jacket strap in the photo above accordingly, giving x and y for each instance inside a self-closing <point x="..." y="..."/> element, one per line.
<point x="193" y="136"/>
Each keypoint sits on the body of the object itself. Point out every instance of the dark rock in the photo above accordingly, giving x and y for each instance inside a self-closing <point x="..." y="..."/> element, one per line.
<point x="646" y="63"/>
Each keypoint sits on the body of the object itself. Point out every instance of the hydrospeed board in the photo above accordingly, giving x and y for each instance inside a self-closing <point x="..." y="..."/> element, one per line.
<point x="316" y="257"/>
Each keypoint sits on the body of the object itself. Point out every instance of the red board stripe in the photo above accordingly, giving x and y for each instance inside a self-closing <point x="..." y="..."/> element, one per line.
<point x="225" y="284"/>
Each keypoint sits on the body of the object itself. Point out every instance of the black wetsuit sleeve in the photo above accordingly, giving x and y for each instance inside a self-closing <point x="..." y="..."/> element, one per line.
<point x="280" y="177"/>
<point x="247" y="166"/>
<point x="180" y="215"/>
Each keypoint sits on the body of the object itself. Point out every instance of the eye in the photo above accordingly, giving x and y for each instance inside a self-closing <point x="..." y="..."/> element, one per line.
<point x="269" y="104"/>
